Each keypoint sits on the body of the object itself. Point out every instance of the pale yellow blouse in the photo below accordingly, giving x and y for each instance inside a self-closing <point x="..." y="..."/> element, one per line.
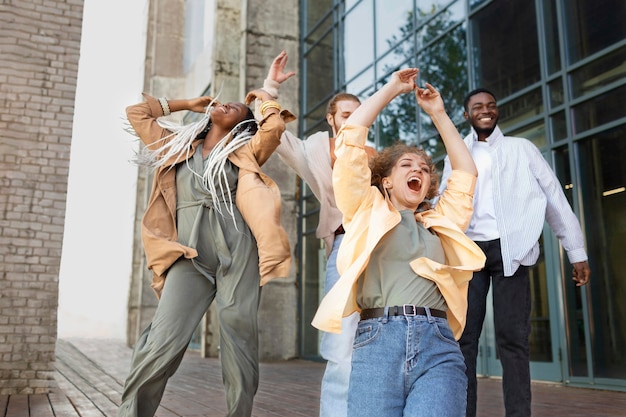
<point x="368" y="215"/>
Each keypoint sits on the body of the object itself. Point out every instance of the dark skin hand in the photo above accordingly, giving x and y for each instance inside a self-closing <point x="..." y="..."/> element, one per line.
<point x="581" y="273"/>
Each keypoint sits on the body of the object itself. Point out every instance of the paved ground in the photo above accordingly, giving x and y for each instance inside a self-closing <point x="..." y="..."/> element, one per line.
<point x="90" y="374"/>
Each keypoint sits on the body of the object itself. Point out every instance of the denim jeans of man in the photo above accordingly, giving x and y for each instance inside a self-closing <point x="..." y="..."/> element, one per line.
<point x="406" y="366"/>
<point x="511" y="312"/>
<point x="337" y="350"/>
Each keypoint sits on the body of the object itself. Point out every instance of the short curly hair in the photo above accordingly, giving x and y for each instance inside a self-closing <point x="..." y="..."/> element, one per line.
<point x="382" y="164"/>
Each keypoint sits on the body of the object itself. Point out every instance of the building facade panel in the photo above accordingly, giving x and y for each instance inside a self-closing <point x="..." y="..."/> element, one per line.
<point x="38" y="72"/>
<point x="560" y="82"/>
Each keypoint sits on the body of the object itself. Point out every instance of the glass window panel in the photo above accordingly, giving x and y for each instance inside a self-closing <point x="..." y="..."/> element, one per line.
<point x="401" y="57"/>
<point x="318" y="67"/>
<point x="439" y="25"/>
<point x="349" y="3"/>
<point x="593" y="25"/>
<point x="310" y="287"/>
<point x="475" y="3"/>
<point x="556" y="93"/>
<point x="316" y="10"/>
<point x="574" y="310"/>
<point x="505" y="46"/>
<point x="361" y="83"/>
<point x="394" y="22"/>
<point x="444" y="65"/>
<point x="427" y="8"/>
<point x="599" y="73"/>
<point x="540" y="340"/>
<point x="553" y="54"/>
<point x="517" y="111"/>
<point x="315" y="121"/>
<point x="603" y="188"/>
<point x="434" y="147"/>
<point x="600" y="110"/>
<point x="558" y="126"/>
<point x="397" y="121"/>
<point x="358" y="39"/>
<point x="319" y="31"/>
<point x="536" y="133"/>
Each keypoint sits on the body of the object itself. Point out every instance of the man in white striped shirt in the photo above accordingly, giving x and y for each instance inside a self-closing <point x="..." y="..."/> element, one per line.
<point x="515" y="194"/>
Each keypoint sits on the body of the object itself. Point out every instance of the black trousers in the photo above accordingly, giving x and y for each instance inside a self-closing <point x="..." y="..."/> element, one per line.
<point x="511" y="310"/>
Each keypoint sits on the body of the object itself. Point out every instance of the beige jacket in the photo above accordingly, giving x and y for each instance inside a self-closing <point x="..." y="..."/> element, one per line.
<point x="159" y="234"/>
<point x="368" y="216"/>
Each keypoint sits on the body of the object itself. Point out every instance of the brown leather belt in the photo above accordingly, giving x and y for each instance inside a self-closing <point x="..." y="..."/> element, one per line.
<point x="405" y="310"/>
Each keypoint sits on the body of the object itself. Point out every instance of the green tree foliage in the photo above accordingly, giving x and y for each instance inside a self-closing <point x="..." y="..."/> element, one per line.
<point x="442" y="60"/>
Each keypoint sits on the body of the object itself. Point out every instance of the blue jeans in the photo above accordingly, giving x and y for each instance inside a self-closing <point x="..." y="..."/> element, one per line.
<point x="337" y="350"/>
<point x="406" y="366"/>
<point x="511" y="312"/>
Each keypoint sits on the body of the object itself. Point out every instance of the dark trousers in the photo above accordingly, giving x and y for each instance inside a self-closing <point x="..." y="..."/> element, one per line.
<point x="511" y="310"/>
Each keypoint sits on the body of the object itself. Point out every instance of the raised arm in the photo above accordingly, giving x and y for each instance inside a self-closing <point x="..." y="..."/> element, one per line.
<point x="401" y="82"/>
<point x="431" y="102"/>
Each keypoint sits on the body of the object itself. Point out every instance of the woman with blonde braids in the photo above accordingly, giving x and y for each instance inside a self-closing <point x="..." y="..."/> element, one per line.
<point x="211" y="231"/>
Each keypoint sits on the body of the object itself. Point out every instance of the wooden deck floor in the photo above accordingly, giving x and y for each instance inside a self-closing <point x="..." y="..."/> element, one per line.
<point x="90" y="375"/>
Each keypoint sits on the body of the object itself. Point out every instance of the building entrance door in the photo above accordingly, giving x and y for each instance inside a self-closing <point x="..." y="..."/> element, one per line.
<point x="544" y="336"/>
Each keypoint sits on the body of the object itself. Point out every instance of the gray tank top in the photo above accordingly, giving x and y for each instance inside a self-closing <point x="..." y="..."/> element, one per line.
<point x="388" y="279"/>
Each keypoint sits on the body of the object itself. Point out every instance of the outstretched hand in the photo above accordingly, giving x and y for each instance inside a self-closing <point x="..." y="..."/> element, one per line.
<point x="259" y="93"/>
<point x="429" y="99"/>
<point x="277" y="69"/>
<point x="404" y="79"/>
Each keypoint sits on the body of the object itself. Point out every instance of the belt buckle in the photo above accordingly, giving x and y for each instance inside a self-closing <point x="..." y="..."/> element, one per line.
<point x="413" y="310"/>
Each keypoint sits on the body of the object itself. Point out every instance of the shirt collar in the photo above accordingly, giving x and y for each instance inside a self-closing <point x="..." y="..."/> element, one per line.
<point x="495" y="136"/>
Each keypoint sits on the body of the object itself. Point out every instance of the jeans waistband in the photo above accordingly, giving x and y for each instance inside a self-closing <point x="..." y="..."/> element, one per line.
<point x="404" y="310"/>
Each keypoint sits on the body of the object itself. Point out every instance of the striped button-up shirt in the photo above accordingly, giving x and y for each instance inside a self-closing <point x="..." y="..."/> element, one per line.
<point x="525" y="194"/>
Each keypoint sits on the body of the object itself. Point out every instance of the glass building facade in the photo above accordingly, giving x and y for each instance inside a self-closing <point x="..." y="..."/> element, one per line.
<point x="558" y="68"/>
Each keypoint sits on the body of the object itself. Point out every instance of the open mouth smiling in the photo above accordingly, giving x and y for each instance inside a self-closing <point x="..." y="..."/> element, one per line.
<point x="414" y="184"/>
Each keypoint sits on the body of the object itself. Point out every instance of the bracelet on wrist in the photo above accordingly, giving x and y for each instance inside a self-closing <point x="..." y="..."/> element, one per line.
<point x="269" y="104"/>
<point x="165" y="106"/>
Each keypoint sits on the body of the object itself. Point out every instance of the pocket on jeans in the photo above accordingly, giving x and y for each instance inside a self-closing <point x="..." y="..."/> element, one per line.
<point x="444" y="332"/>
<point x="366" y="332"/>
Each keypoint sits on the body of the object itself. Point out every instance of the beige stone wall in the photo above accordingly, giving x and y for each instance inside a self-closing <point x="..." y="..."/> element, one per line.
<point x="39" y="55"/>
<point x="269" y="30"/>
<point x="246" y="37"/>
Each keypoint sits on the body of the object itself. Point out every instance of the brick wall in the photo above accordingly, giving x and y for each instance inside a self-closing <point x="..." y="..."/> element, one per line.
<point x="39" y="52"/>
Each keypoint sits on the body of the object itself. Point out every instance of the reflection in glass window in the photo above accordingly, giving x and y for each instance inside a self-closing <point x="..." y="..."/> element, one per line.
<point x="593" y="25"/>
<point x="553" y="55"/>
<point x="556" y="93"/>
<point x="599" y="73"/>
<point x="444" y="64"/>
<point x="318" y="71"/>
<point x="315" y="13"/>
<point x="358" y="42"/>
<point x="536" y="133"/>
<point x="600" y="110"/>
<point x="476" y="3"/>
<point x="521" y="110"/>
<point x="319" y="30"/>
<point x="558" y="126"/>
<point x="455" y="11"/>
<point x="505" y="46"/>
<point x="394" y="22"/>
<point x="603" y="188"/>
<point x="360" y="84"/>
